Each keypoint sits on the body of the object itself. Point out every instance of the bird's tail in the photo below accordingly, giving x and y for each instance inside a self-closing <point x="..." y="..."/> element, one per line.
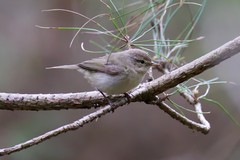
<point x="73" y="66"/>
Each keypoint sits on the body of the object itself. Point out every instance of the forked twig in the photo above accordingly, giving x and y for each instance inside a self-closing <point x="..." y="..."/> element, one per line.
<point x="141" y="93"/>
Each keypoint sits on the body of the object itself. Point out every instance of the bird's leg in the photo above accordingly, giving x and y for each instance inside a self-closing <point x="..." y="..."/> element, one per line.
<point x="106" y="98"/>
<point x="128" y="97"/>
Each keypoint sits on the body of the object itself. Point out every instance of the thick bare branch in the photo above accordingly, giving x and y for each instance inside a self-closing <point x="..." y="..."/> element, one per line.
<point x="36" y="102"/>
<point x="191" y="69"/>
<point x="9" y="101"/>
<point x="144" y="92"/>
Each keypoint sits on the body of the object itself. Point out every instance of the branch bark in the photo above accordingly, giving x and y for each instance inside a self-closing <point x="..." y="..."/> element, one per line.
<point x="145" y="92"/>
<point x="10" y="101"/>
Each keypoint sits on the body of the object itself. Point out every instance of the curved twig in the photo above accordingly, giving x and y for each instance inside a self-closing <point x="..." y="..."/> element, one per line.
<point x="145" y="92"/>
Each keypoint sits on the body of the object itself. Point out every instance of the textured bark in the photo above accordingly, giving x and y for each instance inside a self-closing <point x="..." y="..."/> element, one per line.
<point x="145" y="92"/>
<point x="36" y="102"/>
<point x="12" y="101"/>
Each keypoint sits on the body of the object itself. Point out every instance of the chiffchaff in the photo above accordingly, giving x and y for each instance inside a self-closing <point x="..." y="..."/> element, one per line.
<point x="116" y="73"/>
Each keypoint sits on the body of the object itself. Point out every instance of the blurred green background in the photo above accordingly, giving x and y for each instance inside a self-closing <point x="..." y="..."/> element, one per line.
<point x="137" y="131"/>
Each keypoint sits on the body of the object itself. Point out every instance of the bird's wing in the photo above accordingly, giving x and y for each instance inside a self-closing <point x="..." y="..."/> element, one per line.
<point x="101" y="65"/>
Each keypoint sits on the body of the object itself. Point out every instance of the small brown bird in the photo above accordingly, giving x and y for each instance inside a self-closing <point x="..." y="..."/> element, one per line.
<point x="116" y="73"/>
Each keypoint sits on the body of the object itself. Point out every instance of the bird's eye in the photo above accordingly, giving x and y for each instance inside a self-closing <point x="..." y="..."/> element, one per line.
<point x="141" y="61"/>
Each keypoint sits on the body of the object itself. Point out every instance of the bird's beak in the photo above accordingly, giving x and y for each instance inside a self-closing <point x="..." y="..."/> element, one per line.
<point x="154" y="64"/>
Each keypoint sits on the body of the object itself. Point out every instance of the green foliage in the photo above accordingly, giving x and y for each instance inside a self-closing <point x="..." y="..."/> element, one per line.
<point x="144" y="25"/>
<point x="224" y="109"/>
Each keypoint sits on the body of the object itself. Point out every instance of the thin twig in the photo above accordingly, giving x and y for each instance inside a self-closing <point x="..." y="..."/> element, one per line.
<point x="69" y="127"/>
<point x="198" y="108"/>
<point x="144" y="92"/>
<point x="184" y="120"/>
